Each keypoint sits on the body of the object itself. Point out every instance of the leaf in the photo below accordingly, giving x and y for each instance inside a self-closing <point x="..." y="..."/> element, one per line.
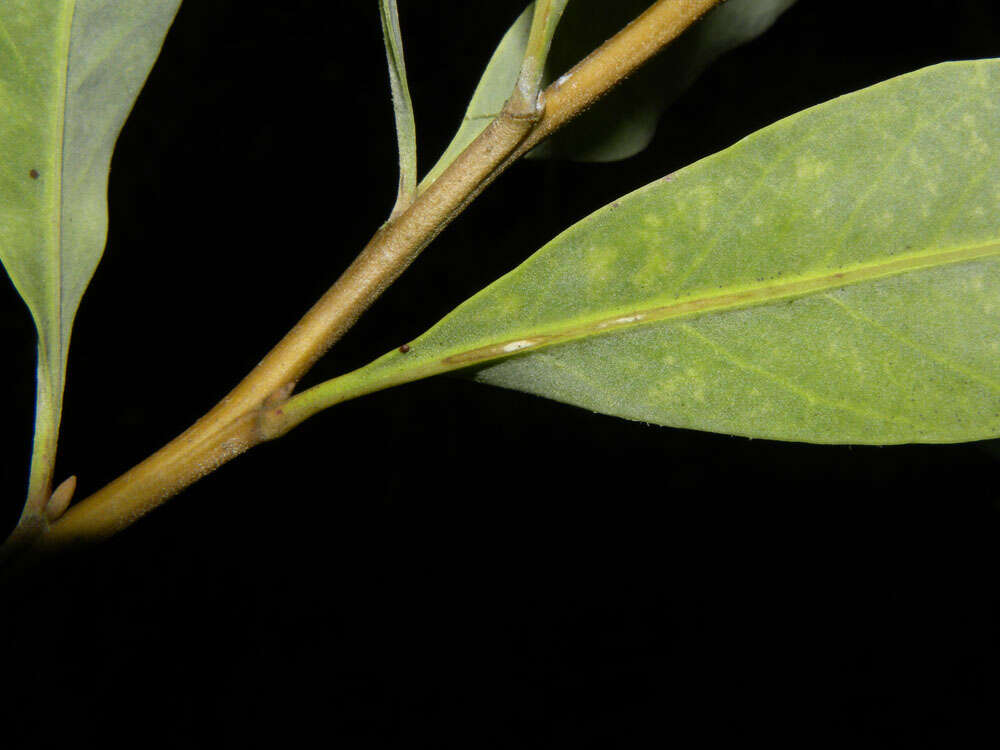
<point x="832" y="278"/>
<point x="495" y="85"/>
<point x="69" y="74"/>
<point x="406" y="127"/>
<point x="623" y="123"/>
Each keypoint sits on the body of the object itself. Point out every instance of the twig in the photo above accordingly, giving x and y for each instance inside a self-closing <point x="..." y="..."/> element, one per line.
<point x="245" y="417"/>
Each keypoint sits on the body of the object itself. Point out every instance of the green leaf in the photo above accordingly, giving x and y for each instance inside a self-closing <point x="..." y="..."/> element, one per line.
<point x="623" y="123"/>
<point x="832" y="278"/>
<point x="69" y="74"/>
<point x="406" y="127"/>
<point x="495" y="86"/>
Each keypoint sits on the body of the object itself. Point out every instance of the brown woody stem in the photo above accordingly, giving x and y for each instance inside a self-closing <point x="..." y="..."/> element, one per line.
<point x="237" y="423"/>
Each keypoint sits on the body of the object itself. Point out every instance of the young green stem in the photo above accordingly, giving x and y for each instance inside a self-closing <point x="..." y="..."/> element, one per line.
<point x="571" y="94"/>
<point x="247" y="416"/>
<point x="529" y="81"/>
<point x="48" y="407"/>
<point x="34" y="518"/>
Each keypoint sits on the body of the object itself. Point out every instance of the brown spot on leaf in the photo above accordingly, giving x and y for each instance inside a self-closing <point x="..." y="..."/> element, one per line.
<point x="404" y="348"/>
<point x="33" y="174"/>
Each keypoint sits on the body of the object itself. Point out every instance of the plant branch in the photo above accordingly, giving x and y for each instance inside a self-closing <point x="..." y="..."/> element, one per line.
<point x="245" y="417"/>
<point x="613" y="62"/>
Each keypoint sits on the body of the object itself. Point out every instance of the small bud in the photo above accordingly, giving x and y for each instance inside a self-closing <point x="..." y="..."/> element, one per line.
<point x="59" y="500"/>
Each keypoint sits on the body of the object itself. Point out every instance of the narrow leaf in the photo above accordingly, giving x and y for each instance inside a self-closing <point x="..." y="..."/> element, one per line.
<point x="69" y="74"/>
<point x="495" y="86"/>
<point x="832" y="278"/>
<point x="406" y="128"/>
<point x="518" y="63"/>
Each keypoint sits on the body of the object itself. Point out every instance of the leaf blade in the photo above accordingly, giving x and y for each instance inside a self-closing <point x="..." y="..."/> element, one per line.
<point x="834" y="277"/>
<point x="494" y="87"/>
<point x="406" y="127"/>
<point x="69" y="75"/>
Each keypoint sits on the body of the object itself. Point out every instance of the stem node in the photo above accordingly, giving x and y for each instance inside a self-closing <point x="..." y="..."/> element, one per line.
<point x="260" y="407"/>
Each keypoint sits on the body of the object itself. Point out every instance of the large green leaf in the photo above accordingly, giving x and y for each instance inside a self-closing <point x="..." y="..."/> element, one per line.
<point x="69" y="74"/>
<point x="623" y="123"/>
<point x="834" y="277"/>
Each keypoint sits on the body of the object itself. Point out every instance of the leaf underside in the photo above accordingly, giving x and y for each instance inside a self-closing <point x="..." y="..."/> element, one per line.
<point x="69" y="74"/>
<point x="833" y="278"/>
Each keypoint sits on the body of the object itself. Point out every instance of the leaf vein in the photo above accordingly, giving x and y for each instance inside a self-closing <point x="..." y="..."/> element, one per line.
<point x="10" y="43"/>
<point x="805" y="394"/>
<point x="788" y="150"/>
<point x="972" y="186"/>
<point x="837" y="246"/>
<point x="906" y="341"/>
<point x="585" y="379"/>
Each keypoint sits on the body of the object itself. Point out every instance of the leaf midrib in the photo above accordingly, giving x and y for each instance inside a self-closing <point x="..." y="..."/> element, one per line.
<point x="53" y="343"/>
<point x="731" y="299"/>
<point x="397" y="368"/>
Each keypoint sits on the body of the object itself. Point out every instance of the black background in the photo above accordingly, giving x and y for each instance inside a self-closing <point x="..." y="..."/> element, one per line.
<point x="445" y="564"/>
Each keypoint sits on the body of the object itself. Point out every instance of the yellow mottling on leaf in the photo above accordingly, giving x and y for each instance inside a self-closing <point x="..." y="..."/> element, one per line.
<point x="654" y="272"/>
<point x="600" y="263"/>
<point x="506" y="307"/>
<point x="808" y="168"/>
<point x="886" y="218"/>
